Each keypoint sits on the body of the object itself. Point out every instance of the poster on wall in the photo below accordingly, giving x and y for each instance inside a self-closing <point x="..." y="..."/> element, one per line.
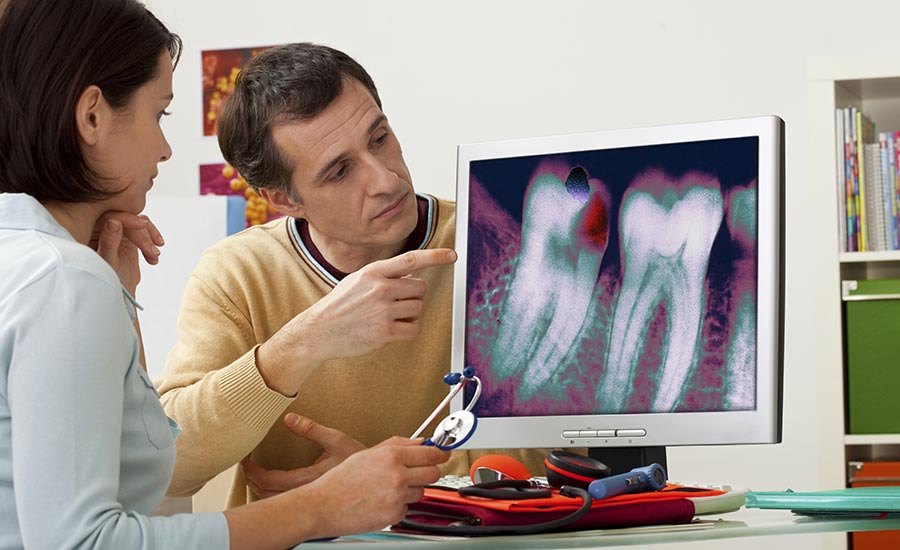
<point x="245" y="207"/>
<point x="220" y="69"/>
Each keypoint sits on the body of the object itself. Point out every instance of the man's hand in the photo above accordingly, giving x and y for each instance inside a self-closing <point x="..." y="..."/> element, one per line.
<point x="117" y="237"/>
<point x="379" y="304"/>
<point x="336" y="447"/>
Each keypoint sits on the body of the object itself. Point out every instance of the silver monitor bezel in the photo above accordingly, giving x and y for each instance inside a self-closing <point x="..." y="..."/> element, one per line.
<point x="762" y="425"/>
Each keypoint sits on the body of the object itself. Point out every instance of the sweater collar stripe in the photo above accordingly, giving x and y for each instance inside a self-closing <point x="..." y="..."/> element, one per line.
<point x="333" y="276"/>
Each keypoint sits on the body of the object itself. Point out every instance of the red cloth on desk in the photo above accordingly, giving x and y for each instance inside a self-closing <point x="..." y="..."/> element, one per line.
<point x="559" y="502"/>
<point x="667" y="507"/>
<point x="662" y="512"/>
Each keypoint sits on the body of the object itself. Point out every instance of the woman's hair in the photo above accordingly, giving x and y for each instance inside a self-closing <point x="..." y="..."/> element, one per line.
<point x="50" y="52"/>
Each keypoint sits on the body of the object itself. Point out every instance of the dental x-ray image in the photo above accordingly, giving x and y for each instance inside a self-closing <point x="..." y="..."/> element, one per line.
<point x="615" y="280"/>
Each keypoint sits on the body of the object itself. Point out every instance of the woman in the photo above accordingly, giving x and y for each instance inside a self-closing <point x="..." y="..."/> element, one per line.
<point x="86" y="451"/>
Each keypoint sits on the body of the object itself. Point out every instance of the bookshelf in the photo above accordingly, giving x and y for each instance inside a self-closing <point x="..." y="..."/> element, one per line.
<point x="870" y="83"/>
<point x="879" y="256"/>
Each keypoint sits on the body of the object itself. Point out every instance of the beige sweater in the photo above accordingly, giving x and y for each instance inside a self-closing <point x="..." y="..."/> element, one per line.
<point x="242" y="291"/>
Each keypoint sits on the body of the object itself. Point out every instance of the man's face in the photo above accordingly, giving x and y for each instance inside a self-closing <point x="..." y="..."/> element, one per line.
<point x="352" y="183"/>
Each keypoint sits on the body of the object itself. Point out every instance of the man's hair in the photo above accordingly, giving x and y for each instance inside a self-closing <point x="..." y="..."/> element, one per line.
<point x="285" y="84"/>
<point x="50" y="52"/>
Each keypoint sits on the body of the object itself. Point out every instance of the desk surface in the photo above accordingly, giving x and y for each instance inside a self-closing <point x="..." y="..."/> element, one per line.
<point x="743" y="523"/>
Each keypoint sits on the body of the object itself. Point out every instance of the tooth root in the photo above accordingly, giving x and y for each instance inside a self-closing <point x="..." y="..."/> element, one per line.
<point x="573" y="299"/>
<point x="563" y="240"/>
<point x="740" y="393"/>
<point x="665" y="253"/>
<point x="740" y="390"/>
<point x="685" y="317"/>
<point x="524" y="313"/>
<point x="629" y="321"/>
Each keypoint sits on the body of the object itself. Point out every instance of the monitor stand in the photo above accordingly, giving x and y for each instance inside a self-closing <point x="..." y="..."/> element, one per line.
<point x="623" y="459"/>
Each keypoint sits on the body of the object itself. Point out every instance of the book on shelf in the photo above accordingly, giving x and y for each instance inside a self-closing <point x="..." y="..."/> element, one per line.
<point x="865" y="133"/>
<point x="844" y="237"/>
<point x="852" y="174"/>
<point x="892" y="232"/>
<point x="871" y="178"/>
<point x="894" y="177"/>
<point x="851" y="180"/>
<point x="868" y="183"/>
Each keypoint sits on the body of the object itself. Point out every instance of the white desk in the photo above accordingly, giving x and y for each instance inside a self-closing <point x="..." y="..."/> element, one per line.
<point x="745" y="523"/>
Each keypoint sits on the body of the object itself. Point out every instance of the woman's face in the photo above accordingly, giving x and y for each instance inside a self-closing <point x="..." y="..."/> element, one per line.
<point x="134" y="143"/>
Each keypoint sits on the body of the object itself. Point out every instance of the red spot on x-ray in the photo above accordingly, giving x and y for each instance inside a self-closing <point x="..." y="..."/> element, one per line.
<point x="596" y="222"/>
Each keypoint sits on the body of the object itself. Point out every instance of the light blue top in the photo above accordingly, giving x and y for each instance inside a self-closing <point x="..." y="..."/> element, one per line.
<point x="86" y="452"/>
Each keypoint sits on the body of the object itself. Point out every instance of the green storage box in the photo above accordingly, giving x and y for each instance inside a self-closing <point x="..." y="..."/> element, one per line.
<point x="872" y="325"/>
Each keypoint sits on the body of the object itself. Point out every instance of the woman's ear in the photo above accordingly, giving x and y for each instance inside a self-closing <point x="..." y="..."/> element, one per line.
<point x="90" y="113"/>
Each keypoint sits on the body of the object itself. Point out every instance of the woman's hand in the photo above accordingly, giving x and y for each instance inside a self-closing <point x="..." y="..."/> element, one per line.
<point x="118" y="236"/>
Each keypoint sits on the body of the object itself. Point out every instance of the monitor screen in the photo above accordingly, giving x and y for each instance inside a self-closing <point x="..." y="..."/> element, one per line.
<point x="623" y="288"/>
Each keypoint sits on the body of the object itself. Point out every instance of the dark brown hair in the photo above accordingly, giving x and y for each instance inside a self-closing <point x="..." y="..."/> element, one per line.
<point x="281" y="85"/>
<point x="50" y="51"/>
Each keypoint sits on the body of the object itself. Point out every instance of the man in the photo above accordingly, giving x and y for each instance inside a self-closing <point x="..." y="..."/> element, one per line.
<point x="324" y="313"/>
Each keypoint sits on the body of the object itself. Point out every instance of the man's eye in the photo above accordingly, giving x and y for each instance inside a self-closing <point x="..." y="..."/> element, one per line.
<point x="340" y="173"/>
<point x="380" y="139"/>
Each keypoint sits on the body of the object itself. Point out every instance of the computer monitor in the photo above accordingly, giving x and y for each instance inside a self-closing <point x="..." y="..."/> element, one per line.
<point x="623" y="290"/>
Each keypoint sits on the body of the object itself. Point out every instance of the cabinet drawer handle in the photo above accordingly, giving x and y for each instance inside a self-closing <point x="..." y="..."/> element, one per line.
<point x="871" y="297"/>
<point x="875" y="480"/>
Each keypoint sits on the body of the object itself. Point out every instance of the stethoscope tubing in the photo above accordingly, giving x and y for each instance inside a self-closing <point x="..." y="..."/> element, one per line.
<point x="506" y="489"/>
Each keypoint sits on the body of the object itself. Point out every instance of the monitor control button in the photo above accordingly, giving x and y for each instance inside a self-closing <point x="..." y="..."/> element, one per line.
<point x="602" y="434"/>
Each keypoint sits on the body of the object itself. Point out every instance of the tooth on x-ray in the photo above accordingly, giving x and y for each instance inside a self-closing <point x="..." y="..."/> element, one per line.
<point x="666" y="234"/>
<point x="565" y="231"/>
<point x="740" y="390"/>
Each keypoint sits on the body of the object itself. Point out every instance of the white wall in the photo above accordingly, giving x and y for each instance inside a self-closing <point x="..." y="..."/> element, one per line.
<point x="189" y="225"/>
<point x="476" y="70"/>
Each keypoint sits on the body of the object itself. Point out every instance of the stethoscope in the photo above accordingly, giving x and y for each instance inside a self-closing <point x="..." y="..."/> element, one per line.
<point x="457" y="428"/>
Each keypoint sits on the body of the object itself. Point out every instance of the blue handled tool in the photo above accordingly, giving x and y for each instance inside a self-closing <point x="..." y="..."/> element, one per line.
<point x="647" y="478"/>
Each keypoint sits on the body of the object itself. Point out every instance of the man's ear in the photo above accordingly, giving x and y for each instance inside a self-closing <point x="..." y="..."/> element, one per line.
<point x="91" y="111"/>
<point x="282" y="202"/>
